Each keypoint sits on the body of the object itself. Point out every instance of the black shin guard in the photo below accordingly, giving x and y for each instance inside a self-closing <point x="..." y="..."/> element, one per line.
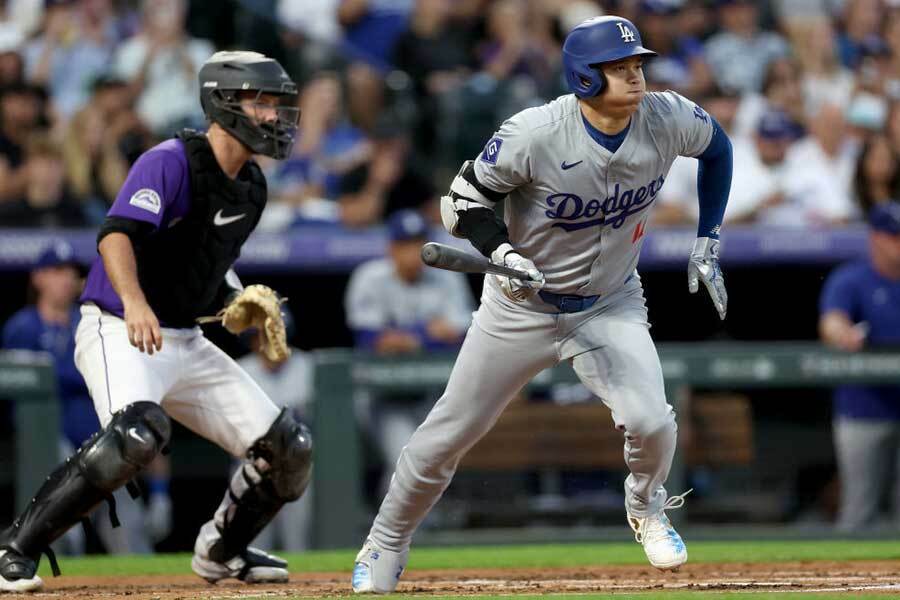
<point x="277" y="471"/>
<point x="103" y="464"/>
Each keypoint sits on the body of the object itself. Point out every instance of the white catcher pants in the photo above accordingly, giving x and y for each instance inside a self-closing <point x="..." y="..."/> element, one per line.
<point x="195" y="382"/>
<point x="610" y="348"/>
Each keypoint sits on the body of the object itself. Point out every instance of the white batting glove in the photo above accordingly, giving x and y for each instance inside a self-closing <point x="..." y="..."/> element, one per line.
<point x="517" y="290"/>
<point x="704" y="264"/>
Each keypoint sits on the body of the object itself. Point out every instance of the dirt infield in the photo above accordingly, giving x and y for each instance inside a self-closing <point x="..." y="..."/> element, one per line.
<point x="870" y="576"/>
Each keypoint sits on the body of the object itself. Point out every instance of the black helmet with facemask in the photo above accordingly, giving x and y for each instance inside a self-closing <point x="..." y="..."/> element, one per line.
<point x="227" y="78"/>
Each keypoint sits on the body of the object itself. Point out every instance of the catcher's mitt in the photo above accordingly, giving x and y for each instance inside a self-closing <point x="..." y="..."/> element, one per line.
<point x="260" y="307"/>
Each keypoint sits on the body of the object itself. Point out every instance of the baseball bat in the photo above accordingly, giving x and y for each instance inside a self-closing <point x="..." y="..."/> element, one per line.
<point x="442" y="256"/>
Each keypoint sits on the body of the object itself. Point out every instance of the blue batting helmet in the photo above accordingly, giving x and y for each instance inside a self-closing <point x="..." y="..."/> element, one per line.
<point x="598" y="40"/>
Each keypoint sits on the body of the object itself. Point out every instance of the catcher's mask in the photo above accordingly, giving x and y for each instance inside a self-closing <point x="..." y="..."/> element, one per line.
<point x="236" y="90"/>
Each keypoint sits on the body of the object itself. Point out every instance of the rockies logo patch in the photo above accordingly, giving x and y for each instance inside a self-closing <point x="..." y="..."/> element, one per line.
<point x="491" y="151"/>
<point x="147" y="199"/>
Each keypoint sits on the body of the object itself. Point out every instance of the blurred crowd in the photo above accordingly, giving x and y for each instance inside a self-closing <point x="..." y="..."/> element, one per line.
<point x="395" y="94"/>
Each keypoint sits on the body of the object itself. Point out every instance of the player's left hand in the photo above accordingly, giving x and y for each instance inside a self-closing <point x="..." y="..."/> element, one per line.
<point x="704" y="264"/>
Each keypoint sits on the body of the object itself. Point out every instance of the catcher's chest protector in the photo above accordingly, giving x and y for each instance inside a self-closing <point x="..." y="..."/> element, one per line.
<point x="182" y="267"/>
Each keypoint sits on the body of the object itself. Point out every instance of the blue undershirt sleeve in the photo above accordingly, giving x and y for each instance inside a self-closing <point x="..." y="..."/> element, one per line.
<point x="714" y="182"/>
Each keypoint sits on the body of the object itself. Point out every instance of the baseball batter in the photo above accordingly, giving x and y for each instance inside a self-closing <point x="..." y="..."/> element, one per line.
<point x="579" y="177"/>
<point x="166" y="247"/>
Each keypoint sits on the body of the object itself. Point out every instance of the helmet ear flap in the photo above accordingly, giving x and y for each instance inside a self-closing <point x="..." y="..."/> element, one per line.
<point x="220" y="100"/>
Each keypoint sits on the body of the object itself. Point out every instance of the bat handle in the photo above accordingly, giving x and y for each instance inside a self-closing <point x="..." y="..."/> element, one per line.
<point x="508" y="272"/>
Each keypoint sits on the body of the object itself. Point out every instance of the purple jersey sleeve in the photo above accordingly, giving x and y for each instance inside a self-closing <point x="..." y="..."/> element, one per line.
<point x="839" y="293"/>
<point x="153" y="186"/>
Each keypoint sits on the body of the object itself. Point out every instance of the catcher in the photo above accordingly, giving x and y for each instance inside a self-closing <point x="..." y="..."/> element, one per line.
<point x="166" y="251"/>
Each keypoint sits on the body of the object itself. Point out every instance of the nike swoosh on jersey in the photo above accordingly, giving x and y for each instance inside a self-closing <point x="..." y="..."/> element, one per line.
<point x="566" y="167"/>
<point x="219" y="220"/>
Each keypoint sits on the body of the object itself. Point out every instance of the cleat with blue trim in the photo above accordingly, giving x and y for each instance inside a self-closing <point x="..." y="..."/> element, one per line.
<point x="663" y="546"/>
<point x="377" y="571"/>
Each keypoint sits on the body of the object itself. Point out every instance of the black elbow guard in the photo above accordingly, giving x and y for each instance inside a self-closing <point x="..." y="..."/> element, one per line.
<point x="483" y="228"/>
<point x="135" y="230"/>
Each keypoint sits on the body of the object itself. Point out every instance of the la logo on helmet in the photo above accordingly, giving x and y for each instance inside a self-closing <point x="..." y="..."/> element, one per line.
<point x="627" y="34"/>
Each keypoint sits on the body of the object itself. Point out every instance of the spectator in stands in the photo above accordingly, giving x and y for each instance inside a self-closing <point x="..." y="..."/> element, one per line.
<point x="678" y="203"/>
<point x="874" y="71"/>
<point x="371" y="28"/>
<point x="12" y="65"/>
<point x="892" y="39"/>
<point x="95" y="167"/>
<point x="290" y="384"/>
<point x="892" y="129"/>
<point x="695" y="18"/>
<point x="825" y="79"/>
<point x="328" y="147"/>
<point x="860" y="308"/>
<point x="315" y="20"/>
<point x="782" y="90"/>
<point x="681" y="65"/>
<point x="758" y="183"/>
<point x="161" y="63"/>
<point x="326" y="138"/>
<point x="741" y="51"/>
<point x="877" y="174"/>
<point x="435" y="56"/>
<point x="391" y="181"/>
<point x="22" y="113"/>
<point x="75" y="46"/>
<point x="366" y="96"/>
<point x="20" y="17"/>
<point x="818" y="176"/>
<point x="310" y="35"/>
<point x="100" y="144"/>
<point x="49" y="325"/>
<point x="46" y="200"/>
<point x="759" y="178"/>
<point x="861" y="23"/>
<point x="866" y="116"/>
<point x="509" y="50"/>
<point x="395" y="305"/>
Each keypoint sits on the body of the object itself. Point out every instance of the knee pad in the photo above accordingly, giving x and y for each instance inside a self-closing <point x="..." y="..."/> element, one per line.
<point x="109" y="459"/>
<point x="646" y="424"/>
<point x="130" y="442"/>
<point x="283" y="456"/>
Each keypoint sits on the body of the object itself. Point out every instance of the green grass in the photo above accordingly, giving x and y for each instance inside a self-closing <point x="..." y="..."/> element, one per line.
<point x="506" y="557"/>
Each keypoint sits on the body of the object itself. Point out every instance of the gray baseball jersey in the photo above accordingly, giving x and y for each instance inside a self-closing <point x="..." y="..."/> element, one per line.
<point x="576" y="209"/>
<point x="377" y="299"/>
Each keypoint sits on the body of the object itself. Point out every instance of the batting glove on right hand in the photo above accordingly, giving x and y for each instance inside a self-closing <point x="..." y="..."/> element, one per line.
<point x="704" y="264"/>
<point x="517" y="290"/>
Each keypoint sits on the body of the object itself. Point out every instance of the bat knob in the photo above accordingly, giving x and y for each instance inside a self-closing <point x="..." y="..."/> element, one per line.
<point x="430" y="253"/>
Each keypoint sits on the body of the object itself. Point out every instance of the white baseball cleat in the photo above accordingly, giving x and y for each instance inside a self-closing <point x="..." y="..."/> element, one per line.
<point x="18" y="575"/>
<point x="377" y="571"/>
<point x="663" y="546"/>
<point x="250" y="566"/>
